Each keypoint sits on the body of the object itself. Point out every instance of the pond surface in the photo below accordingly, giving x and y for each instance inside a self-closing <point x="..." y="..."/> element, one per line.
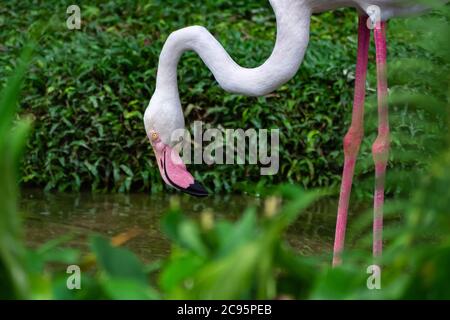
<point x="51" y="215"/>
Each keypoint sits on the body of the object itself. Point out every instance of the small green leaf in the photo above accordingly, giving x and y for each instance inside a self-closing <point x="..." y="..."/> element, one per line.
<point x="117" y="262"/>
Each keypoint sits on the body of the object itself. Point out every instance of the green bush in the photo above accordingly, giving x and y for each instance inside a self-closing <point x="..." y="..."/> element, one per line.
<point x="88" y="89"/>
<point x="13" y="273"/>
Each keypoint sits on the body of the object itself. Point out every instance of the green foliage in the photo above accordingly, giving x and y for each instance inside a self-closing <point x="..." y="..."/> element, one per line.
<point x="87" y="91"/>
<point x="225" y="260"/>
<point x="125" y="277"/>
<point x="23" y="272"/>
<point x="13" y="277"/>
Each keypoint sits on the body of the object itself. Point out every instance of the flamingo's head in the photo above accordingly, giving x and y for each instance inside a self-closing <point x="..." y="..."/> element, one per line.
<point x="163" y="117"/>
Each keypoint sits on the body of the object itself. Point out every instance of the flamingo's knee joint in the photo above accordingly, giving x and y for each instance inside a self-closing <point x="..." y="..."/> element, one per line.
<point x="380" y="150"/>
<point x="352" y="141"/>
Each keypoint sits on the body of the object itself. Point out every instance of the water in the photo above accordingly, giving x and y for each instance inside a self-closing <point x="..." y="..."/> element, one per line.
<point x="48" y="216"/>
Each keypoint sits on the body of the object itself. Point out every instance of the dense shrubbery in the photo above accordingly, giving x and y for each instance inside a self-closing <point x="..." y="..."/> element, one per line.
<point x="87" y="91"/>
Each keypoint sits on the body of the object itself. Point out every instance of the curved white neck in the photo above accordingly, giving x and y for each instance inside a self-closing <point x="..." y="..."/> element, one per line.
<point x="293" y="17"/>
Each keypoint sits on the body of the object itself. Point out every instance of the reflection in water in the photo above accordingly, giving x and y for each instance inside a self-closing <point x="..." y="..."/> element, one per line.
<point x="49" y="216"/>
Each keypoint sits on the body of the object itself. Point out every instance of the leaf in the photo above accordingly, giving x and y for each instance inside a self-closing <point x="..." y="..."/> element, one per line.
<point x="127" y="170"/>
<point x="92" y="169"/>
<point x="128" y="290"/>
<point x="242" y="231"/>
<point x="14" y="279"/>
<point x="180" y="267"/>
<point x="170" y="222"/>
<point x="117" y="262"/>
<point x="184" y="232"/>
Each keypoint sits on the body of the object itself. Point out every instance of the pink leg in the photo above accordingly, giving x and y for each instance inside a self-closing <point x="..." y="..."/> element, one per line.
<point x="380" y="148"/>
<point x="353" y="138"/>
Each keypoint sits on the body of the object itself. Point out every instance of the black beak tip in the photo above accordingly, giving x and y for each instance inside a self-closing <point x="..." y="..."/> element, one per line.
<point x="196" y="189"/>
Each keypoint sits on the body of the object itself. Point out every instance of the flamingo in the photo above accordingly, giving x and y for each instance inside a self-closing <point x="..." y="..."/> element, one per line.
<point x="164" y="113"/>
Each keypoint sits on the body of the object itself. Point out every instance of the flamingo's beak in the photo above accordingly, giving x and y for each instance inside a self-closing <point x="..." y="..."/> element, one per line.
<point x="173" y="170"/>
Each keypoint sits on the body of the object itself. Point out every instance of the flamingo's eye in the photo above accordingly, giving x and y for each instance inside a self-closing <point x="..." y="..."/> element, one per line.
<point x="154" y="136"/>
